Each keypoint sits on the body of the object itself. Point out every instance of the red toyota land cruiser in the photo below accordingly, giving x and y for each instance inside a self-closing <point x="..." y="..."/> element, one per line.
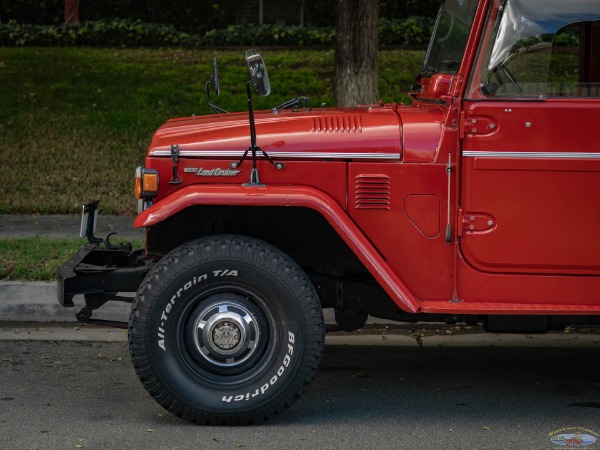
<point x="478" y="202"/>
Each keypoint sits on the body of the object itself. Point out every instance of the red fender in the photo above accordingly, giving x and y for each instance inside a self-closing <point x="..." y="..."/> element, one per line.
<point x="300" y="196"/>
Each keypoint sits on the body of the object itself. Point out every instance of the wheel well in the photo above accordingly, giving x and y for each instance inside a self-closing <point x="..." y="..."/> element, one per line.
<point x="302" y="233"/>
<point x="340" y="278"/>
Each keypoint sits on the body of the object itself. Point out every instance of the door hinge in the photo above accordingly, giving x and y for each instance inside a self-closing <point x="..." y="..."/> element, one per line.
<point x="476" y="223"/>
<point x="476" y="125"/>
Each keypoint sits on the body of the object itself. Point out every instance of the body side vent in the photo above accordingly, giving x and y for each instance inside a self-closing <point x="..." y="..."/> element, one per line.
<point x="337" y="124"/>
<point x="372" y="192"/>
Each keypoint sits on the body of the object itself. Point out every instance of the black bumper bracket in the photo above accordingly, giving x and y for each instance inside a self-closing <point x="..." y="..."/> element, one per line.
<point x="101" y="274"/>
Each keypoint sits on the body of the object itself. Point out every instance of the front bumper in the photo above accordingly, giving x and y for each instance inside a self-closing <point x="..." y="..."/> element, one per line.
<point x="102" y="272"/>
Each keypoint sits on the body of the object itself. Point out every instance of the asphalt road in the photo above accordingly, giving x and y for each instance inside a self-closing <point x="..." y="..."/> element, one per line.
<point x="373" y="392"/>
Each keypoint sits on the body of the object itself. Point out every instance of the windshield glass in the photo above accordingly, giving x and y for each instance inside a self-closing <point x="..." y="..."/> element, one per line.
<point x="538" y="47"/>
<point x="450" y="36"/>
<point x="525" y="23"/>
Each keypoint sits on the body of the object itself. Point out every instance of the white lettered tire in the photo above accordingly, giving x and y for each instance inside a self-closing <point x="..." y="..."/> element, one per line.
<point x="226" y="330"/>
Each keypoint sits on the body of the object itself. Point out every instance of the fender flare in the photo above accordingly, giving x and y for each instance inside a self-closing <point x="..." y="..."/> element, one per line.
<point x="299" y="196"/>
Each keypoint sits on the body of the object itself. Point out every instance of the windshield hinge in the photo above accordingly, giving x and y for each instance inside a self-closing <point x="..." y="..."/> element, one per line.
<point x="461" y="125"/>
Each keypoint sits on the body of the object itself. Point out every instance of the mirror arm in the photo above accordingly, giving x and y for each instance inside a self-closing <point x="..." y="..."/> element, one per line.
<point x="254" y="175"/>
<point x="215" y="108"/>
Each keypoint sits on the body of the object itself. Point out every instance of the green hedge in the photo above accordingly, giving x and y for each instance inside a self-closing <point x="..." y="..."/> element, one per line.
<point x="269" y="35"/>
<point x="192" y="16"/>
<point x="103" y="33"/>
<point x="413" y="31"/>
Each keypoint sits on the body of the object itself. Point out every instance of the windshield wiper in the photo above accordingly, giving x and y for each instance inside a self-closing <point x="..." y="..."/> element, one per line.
<point x="449" y="64"/>
<point x="427" y="69"/>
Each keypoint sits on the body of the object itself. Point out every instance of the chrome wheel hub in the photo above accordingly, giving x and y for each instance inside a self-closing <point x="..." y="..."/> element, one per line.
<point x="226" y="333"/>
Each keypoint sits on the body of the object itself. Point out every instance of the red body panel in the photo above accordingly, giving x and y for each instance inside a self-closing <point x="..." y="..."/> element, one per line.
<point x="306" y="173"/>
<point x="287" y="196"/>
<point x="421" y="132"/>
<point x="517" y="184"/>
<point x="352" y="132"/>
<point x="410" y="232"/>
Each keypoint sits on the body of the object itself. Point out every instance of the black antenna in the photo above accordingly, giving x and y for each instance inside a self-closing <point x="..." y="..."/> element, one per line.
<point x="254" y="175"/>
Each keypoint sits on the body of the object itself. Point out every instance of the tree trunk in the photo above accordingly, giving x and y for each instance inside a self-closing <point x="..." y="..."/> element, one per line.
<point x="71" y="11"/>
<point x="356" y="47"/>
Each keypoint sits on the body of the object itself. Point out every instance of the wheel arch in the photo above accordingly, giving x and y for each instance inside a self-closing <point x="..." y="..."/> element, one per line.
<point x="270" y="212"/>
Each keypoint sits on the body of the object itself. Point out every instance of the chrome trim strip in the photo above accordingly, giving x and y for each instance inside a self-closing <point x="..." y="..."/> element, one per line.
<point x="531" y="155"/>
<point x="276" y="155"/>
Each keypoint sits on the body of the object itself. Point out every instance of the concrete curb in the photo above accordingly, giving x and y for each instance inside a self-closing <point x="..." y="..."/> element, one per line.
<point x="30" y="311"/>
<point x="35" y="301"/>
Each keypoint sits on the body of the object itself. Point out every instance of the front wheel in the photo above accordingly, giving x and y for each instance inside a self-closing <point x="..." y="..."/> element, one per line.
<point x="226" y="330"/>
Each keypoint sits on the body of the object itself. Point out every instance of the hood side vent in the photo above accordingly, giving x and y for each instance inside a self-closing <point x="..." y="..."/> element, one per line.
<point x="337" y="124"/>
<point x="372" y="192"/>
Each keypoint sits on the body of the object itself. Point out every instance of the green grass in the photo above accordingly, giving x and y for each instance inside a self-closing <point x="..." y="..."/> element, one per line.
<point x="34" y="258"/>
<point x="37" y="258"/>
<point x="75" y="122"/>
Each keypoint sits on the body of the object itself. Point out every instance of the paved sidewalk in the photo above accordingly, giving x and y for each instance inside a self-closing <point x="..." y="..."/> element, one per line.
<point x="64" y="226"/>
<point x="35" y="301"/>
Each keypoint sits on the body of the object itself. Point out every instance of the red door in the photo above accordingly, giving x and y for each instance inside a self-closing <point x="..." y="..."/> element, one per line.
<point x="531" y="187"/>
<point x="530" y="193"/>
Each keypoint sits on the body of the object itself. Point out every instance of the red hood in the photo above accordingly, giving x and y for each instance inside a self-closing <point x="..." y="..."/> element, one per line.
<point x="357" y="133"/>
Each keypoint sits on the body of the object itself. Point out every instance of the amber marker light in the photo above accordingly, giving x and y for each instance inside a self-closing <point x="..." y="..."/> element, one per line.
<point x="146" y="183"/>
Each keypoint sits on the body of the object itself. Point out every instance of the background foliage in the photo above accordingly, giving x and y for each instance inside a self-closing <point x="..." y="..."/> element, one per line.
<point x="414" y="31"/>
<point x="75" y="122"/>
<point x="187" y="23"/>
<point x="191" y="16"/>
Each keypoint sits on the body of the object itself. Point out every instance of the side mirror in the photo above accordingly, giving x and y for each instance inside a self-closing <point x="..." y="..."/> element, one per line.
<point x="439" y="85"/>
<point x="214" y="78"/>
<point x="213" y="83"/>
<point x="258" y="73"/>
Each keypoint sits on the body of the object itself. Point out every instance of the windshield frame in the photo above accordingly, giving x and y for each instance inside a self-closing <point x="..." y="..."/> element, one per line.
<point x="439" y="58"/>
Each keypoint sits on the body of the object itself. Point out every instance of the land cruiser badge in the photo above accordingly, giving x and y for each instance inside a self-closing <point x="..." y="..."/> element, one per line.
<point x="216" y="172"/>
